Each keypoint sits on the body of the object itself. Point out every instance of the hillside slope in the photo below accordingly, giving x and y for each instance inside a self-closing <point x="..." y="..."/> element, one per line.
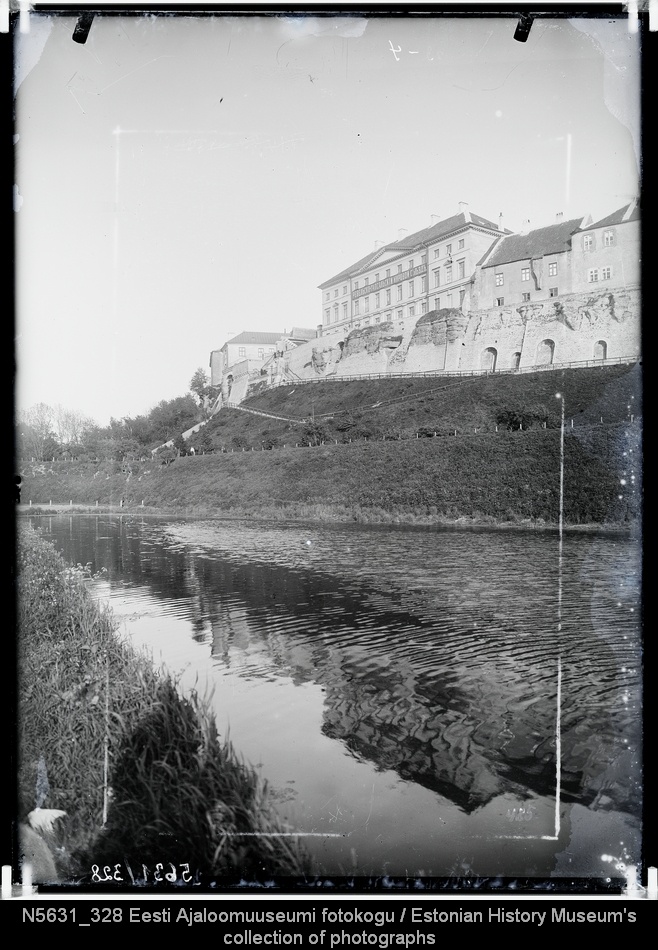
<point x="392" y="473"/>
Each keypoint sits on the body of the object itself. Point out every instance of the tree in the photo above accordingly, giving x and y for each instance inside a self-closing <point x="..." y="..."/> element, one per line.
<point x="35" y="432"/>
<point x="199" y="384"/>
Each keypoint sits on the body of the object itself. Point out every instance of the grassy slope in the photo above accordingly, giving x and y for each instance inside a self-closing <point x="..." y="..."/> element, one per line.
<point x="502" y="475"/>
<point x="178" y="791"/>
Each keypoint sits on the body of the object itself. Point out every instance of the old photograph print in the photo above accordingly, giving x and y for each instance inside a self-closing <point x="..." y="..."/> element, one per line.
<point x="329" y="451"/>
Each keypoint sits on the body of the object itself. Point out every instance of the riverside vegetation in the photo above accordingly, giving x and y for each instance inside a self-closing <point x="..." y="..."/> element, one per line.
<point x="146" y="785"/>
<point x="424" y="450"/>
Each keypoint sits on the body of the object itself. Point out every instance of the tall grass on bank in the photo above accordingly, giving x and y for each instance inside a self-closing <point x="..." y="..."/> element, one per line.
<point x="140" y="771"/>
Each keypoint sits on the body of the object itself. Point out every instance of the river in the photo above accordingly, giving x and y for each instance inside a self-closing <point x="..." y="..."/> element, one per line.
<point x="431" y="702"/>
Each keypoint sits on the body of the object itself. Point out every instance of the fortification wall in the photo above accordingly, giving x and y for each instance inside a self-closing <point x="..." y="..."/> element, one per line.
<point x="574" y="327"/>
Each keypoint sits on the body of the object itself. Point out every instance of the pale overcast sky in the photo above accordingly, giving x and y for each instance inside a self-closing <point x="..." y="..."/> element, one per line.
<point x="181" y="179"/>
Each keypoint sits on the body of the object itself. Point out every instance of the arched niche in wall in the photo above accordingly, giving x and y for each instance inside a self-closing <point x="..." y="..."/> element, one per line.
<point x="488" y="359"/>
<point x="545" y="353"/>
<point x="516" y="360"/>
<point x="600" y="350"/>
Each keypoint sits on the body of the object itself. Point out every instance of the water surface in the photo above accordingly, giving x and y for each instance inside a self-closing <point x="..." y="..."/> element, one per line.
<point x="405" y="692"/>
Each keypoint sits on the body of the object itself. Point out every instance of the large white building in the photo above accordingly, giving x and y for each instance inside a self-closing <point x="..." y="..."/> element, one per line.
<point x="429" y="270"/>
<point x="468" y="263"/>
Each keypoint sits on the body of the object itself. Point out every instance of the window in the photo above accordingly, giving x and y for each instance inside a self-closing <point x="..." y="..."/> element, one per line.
<point x="356" y="285"/>
<point x="423" y="307"/>
<point x="326" y="296"/>
<point x="448" y="249"/>
<point x="399" y="268"/>
<point x="592" y="275"/>
<point x="376" y="301"/>
<point x="462" y="294"/>
<point x="345" y="289"/>
<point x="423" y="258"/>
<point x="376" y="278"/>
<point x="356" y="307"/>
<point x="388" y="297"/>
<point x="336" y="314"/>
<point x="411" y="264"/>
<point x="525" y="273"/>
<point x="552" y="269"/>
<point x="449" y="300"/>
<point x="366" y="282"/>
<point x="366" y="304"/>
<point x="399" y="291"/>
<point x="460" y="268"/>
<point x="412" y="310"/>
<point x="552" y="292"/>
<point x="448" y="273"/>
<point x="243" y="349"/>
<point x="525" y="297"/>
<point x="388" y="271"/>
<point x="588" y="242"/>
<point x="437" y="303"/>
<point x="389" y="315"/>
<point x="261" y="353"/>
<point x="399" y="314"/>
<point x="437" y="277"/>
<point x="377" y="319"/>
<point x="336" y="292"/>
<point x="326" y="316"/>
<point x="437" y="252"/>
<point x="344" y="311"/>
<point x="423" y="284"/>
<point x="411" y="288"/>
<point x="500" y="302"/>
<point x="499" y="280"/>
<point x="608" y="238"/>
<point x="461" y="244"/>
<point x="606" y="273"/>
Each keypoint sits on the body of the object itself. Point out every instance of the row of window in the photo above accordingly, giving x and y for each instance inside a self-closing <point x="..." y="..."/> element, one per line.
<point x="242" y="350"/>
<point x="599" y="273"/>
<point x="589" y="240"/>
<point x="448" y="273"/>
<point x="408" y="265"/>
<point x="500" y="301"/>
<point x="420" y="307"/>
<point x="499" y="276"/>
<point x="448" y="249"/>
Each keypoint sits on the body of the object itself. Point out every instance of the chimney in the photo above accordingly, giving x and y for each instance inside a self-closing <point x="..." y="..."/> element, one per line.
<point x="525" y="227"/>
<point x="378" y="244"/>
<point x="402" y="233"/>
<point x="559" y="217"/>
<point x="463" y="209"/>
<point x="500" y="222"/>
<point x="435" y="218"/>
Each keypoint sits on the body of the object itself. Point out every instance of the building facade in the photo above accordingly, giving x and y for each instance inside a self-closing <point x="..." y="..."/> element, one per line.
<point x="471" y="264"/>
<point x="431" y="269"/>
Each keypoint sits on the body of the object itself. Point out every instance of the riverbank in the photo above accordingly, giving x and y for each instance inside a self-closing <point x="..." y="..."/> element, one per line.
<point x="500" y="478"/>
<point x="116" y="769"/>
<point x="309" y="515"/>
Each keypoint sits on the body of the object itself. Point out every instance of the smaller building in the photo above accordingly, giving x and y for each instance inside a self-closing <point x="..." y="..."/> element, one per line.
<point x="249" y="353"/>
<point x="606" y="254"/>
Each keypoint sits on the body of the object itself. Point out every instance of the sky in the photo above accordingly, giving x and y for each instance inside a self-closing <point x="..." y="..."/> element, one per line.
<point x="180" y="179"/>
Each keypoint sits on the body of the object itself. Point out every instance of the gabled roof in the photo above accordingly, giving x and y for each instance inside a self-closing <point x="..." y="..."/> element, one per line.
<point x="252" y="336"/>
<point x="301" y="333"/>
<point x="554" y="239"/>
<point x="353" y="268"/>
<point x="630" y="212"/>
<point x="419" y="238"/>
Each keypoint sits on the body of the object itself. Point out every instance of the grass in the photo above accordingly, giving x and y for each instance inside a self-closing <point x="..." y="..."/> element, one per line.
<point x="140" y="771"/>
<point x="488" y="450"/>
